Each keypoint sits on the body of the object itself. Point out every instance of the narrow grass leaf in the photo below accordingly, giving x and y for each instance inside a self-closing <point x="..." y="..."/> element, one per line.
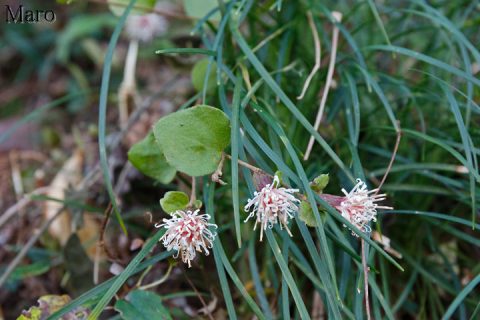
<point x="102" y="114"/>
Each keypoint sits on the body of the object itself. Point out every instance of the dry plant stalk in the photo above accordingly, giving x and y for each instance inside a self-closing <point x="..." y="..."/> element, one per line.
<point x="127" y="93"/>
<point x="337" y="16"/>
<point x="69" y="175"/>
<point x="318" y="52"/>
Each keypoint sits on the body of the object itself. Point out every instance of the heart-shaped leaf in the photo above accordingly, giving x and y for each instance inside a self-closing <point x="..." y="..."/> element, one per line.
<point x="142" y="305"/>
<point x="193" y="140"/>
<point x="198" y="76"/>
<point x="148" y="158"/>
<point x="173" y="201"/>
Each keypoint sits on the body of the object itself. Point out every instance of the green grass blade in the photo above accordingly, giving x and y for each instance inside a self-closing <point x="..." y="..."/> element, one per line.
<point x="252" y="261"/>
<point x="218" y="249"/>
<point x="423" y="57"/>
<point x="379" y="21"/>
<point x="440" y="143"/>
<point x="36" y="113"/>
<point x="466" y="140"/>
<point x="460" y="297"/>
<point x="102" y="114"/>
<point x="209" y="192"/>
<point x="302" y="309"/>
<point x="330" y="279"/>
<point x="284" y="293"/>
<point x="442" y="216"/>
<point x="235" y="141"/>
<point x="186" y="51"/>
<point x="284" y="98"/>
<point x="406" y="291"/>
<point x="92" y="294"/>
<point x="122" y="277"/>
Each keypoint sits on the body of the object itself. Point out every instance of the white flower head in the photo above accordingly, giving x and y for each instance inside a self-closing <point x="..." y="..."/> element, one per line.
<point x="146" y="27"/>
<point x="272" y="205"/>
<point x="359" y="206"/>
<point x="188" y="232"/>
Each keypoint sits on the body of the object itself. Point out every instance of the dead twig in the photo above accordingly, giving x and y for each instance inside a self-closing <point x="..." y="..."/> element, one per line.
<point x="392" y="159"/>
<point x="18" y="258"/>
<point x="365" y="279"/>
<point x="22" y="203"/>
<point x="209" y="314"/>
<point x="157" y="282"/>
<point x="101" y="240"/>
<point x="318" y="51"/>
<point x="248" y="166"/>
<point x="216" y="176"/>
<point x="193" y="193"/>
<point x="337" y="16"/>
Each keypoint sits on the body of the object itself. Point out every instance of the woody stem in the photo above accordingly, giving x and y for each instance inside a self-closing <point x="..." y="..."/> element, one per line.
<point x="193" y="194"/>
<point x="248" y="166"/>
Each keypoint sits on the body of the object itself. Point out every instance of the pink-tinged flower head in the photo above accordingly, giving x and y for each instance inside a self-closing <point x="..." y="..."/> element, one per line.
<point x="146" y="27"/>
<point x="188" y="232"/>
<point x="272" y="205"/>
<point x="359" y="206"/>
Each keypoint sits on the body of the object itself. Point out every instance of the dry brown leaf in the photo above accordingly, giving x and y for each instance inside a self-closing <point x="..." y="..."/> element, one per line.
<point x="89" y="234"/>
<point x="70" y="175"/>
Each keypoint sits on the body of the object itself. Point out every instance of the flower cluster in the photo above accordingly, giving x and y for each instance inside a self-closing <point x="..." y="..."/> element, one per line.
<point x="272" y="205"/>
<point x="146" y="27"/>
<point x="188" y="232"/>
<point x="359" y="206"/>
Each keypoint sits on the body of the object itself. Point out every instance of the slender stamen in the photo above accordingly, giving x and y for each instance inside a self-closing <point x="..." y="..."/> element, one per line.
<point x="272" y="205"/>
<point x="188" y="233"/>
<point x="359" y="206"/>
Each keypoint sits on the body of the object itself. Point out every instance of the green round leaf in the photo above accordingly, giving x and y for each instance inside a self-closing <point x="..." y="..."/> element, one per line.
<point x="142" y="305"/>
<point x="198" y="76"/>
<point x="148" y="158"/>
<point x="173" y="201"/>
<point x="141" y="6"/>
<point x="193" y="140"/>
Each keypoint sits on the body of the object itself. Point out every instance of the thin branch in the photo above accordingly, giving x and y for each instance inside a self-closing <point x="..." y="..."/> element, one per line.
<point x="143" y="275"/>
<point x="101" y="240"/>
<point x="193" y="193"/>
<point x="318" y="52"/>
<point x="365" y="279"/>
<point x="198" y="295"/>
<point x="337" y="16"/>
<point x="392" y="159"/>
<point x="249" y="166"/>
<point x="18" y="258"/>
<point x="22" y="203"/>
<point x="96" y="265"/>
<point x="159" y="281"/>
<point x="216" y="176"/>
